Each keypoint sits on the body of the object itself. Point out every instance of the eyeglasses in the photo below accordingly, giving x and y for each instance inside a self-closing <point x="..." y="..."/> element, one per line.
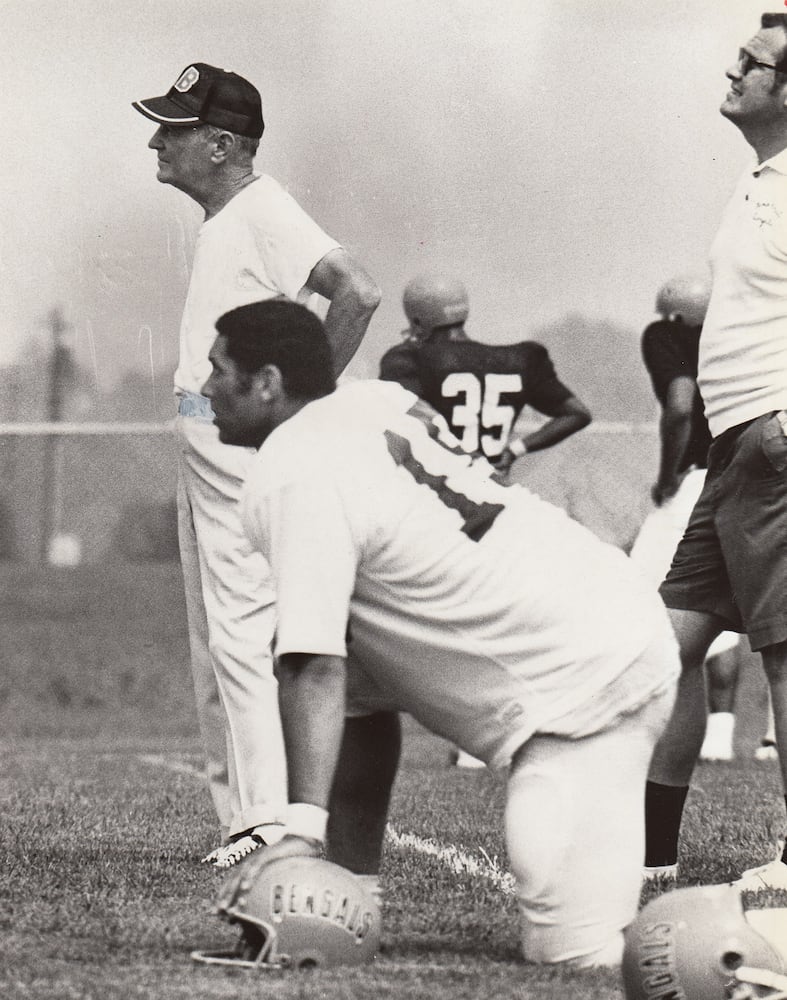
<point x="747" y="62"/>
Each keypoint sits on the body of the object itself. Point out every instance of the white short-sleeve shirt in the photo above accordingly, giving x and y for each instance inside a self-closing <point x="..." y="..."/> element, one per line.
<point x="743" y="348"/>
<point x="261" y="245"/>
<point x="482" y="610"/>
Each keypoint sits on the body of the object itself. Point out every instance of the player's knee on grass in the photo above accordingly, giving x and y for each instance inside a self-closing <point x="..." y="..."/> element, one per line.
<point x="563" y="921"/>
<point x="575" y="837"/>
<point x="559" y="946"/>
<point x="567" y="915"/>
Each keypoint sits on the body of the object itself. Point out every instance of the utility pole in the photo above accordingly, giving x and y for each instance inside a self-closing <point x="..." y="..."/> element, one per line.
<point x="60" y="372"/>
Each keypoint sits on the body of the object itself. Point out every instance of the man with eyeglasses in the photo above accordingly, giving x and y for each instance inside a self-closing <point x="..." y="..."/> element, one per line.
<point x="255" y="243"/>
<point x="730" y="569"/>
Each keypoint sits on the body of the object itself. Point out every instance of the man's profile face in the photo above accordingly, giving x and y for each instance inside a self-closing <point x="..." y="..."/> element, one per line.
<point x="183" y="155"/>
<point x="758" y="94"/>
<point x="240" y="411"/>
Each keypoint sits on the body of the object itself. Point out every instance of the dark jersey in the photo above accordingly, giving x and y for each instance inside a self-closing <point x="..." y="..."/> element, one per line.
<point x="670" y="349"/>
<point x="480" y="389"/>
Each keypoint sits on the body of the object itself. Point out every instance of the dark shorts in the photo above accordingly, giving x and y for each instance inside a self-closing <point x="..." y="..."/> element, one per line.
<point x="732" y="559"/>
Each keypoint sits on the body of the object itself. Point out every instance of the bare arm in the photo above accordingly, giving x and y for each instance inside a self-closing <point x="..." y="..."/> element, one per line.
<point x="674" y="430"/>
<point x="353" y="297"/>
<point x="311" y="702"/>
<point x="571" y="417"/>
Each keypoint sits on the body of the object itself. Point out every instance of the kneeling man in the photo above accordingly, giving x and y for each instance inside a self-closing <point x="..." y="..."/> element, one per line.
<point x="406" y="579"/>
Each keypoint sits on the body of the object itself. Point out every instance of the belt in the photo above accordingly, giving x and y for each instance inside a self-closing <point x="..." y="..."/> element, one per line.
<point x="192" y="404"/>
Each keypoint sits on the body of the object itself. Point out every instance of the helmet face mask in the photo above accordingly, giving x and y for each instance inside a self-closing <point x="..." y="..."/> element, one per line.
<point x="685" y="297"/>
<point x="432" y="302"/>
<point x="296" y="913"/>
<point x="696" y="944"/>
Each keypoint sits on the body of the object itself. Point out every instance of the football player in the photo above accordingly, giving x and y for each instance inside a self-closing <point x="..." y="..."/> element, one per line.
<point x="408" y="580"/>
<point x="669" y="349"/>
<point x="479" y="389"/>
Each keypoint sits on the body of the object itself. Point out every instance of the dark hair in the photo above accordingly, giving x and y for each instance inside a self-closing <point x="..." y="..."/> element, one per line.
<point x="776" y="20"/>
<point x="281" y="333"/>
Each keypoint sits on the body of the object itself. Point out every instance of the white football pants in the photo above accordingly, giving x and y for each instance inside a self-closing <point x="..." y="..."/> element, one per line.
<point x="575" y="832"/>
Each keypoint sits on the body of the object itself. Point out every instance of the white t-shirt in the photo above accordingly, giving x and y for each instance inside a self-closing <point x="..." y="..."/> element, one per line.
<point x="261" y="245"/>
<point x="485" y="612"/>
<point x="743" y="348"/>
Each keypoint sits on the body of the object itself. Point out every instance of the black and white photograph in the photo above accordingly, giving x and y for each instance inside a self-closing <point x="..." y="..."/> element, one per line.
<point x="393" y="500"/>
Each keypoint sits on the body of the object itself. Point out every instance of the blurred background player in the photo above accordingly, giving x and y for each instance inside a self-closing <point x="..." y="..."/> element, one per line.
<point x="479" y="389"/>
<point x="669" y="349"/>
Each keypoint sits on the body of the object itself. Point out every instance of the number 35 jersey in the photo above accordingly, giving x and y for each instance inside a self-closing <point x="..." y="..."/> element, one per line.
<point x="483" y="611"/>
<point x="480" y="389"/>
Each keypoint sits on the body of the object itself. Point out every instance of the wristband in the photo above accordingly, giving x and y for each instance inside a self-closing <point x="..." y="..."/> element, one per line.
<point x="306" y="820"/>
<point x="518" y="448"/>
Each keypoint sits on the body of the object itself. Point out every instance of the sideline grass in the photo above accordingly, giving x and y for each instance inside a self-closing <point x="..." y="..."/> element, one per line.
<point x="102" y="896"/>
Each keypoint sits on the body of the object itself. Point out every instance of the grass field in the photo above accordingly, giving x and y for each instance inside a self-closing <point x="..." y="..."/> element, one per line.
<point x="104" y="815"/>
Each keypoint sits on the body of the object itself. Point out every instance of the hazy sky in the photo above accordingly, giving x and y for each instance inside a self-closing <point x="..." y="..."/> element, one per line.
<point x="560" y="156"/>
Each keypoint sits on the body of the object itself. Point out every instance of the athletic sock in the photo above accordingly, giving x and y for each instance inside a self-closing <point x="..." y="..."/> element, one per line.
<point x="720" y="728"/>
<point x="663" y="813"/>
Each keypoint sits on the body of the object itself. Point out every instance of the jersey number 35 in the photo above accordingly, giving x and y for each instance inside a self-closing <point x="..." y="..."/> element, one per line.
<point x="482" y="410"/>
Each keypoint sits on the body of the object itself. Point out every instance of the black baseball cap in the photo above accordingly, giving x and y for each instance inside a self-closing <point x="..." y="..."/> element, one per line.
<point x="203" y="93"/>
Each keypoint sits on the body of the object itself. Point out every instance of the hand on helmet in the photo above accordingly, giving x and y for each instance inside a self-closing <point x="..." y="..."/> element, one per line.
<point x="292" y="846"/>
<point x="245" y="871"/>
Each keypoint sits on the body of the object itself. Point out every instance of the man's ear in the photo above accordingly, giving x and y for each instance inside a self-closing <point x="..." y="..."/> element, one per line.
<point x="223" y="145"/>
<point x="269" y="383"/>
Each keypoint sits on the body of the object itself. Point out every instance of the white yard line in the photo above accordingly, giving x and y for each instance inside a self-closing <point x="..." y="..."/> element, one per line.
<point x="458" y="861"/>
<point x="169" y="764"/>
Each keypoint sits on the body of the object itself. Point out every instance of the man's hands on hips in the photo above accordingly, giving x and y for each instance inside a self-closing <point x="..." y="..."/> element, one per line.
<point x="504" y="461"/>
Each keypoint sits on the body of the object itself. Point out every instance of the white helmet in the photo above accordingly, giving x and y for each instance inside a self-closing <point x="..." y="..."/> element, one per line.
<point x="431" y="301"/>
<point x="297" y="913"/>
<point x="687" y="296"/>
<point x="696" y="944"/>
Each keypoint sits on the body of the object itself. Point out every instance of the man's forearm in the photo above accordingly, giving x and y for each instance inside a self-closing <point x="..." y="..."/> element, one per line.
<point x="555" y="430"/>
<point x="674" y="429"/>
<point x="353" y="297"/>
<point x="311" y="702"/>
<point x="573" y="416"/>
<point x="347" y="321"/>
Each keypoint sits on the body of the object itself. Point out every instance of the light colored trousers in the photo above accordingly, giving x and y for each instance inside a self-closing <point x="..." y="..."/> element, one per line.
<point x="575" y="831"/>
<point x="231" y="621"/>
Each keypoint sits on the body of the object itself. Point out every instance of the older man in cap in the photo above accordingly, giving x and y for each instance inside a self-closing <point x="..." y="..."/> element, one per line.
<point x="255" y="243"/>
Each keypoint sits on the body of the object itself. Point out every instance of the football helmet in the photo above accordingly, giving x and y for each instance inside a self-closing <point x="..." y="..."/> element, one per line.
<point x="687" y="296"/>
<point x="432" y="301"/>
<point x="296" y="913"/>
<point x="696" y="944"/>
